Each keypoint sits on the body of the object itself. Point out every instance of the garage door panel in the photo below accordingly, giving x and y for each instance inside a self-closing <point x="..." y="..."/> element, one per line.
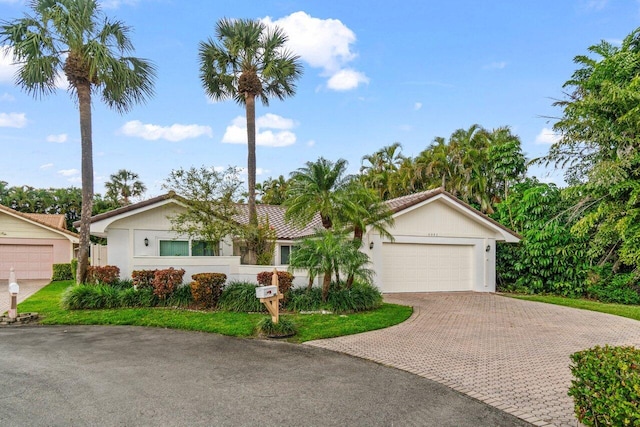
<point x="427" y="267"/>
<point x="28" y="261"/>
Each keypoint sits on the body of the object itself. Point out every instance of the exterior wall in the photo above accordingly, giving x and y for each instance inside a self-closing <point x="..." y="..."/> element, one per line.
<point x="16" y="228"/>
<point x="438" y="219"/>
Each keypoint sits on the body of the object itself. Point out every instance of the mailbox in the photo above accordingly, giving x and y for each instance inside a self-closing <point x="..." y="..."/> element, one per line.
<point x="14" y="288"/>
<point x="266" y="291"/>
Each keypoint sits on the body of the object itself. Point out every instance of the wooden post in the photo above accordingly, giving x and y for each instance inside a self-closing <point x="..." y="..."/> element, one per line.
<point x="273" y="303"/>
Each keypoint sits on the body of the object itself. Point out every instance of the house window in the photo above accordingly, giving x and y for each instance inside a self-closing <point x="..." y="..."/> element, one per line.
<point x="285" y="254"/>
<point x="174" y="248"/>
<point x="202" y="248"/>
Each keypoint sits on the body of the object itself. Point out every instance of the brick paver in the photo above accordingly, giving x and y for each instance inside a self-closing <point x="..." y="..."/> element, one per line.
<point x="509" y="353"/>
<point x="27" y="288"/>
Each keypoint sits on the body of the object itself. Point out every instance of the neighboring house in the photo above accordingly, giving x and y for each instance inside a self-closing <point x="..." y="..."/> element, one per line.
<point x="32" y="243"/>
<point x="441" y="243"/>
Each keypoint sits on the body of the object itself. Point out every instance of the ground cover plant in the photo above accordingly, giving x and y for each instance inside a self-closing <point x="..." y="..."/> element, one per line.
<point x="46" y="302"/>
<point x="630" y="311"/>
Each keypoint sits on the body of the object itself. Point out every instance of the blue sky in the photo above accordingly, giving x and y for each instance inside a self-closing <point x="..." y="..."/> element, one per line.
<point x="374" y="73"/>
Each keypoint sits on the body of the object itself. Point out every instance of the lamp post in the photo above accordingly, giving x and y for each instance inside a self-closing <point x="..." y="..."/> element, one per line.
<point x="13" y="293"/>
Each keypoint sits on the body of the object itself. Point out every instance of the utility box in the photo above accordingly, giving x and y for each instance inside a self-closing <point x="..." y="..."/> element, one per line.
<point x="266" y="291"/>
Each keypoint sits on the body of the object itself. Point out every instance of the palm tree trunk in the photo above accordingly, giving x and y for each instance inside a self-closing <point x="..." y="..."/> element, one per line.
<point x="84" y="102"/>
<point x="252" y="256"/>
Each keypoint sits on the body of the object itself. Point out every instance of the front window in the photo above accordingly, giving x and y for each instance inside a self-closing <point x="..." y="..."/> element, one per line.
<point x="174" y="248"/>
<point x="285" y="254"/>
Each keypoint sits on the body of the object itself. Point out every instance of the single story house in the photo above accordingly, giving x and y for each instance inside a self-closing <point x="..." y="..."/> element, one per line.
<point x="32" y="243"/>
<point x="440" y="243"/>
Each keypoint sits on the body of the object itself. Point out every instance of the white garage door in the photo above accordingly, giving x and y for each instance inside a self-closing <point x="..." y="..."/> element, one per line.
<point x="28" y="261"/>
<point x="427" y="268"/>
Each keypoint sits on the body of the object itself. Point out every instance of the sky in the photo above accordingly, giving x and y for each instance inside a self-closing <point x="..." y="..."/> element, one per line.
<point x="375" y="72"/>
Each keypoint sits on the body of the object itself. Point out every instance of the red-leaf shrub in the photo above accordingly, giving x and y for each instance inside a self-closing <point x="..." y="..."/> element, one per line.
<point x="285" y="280"/>
<point x="143" y="278"/>
<point x="108" y="274"/>
<point x="166" y="281"/>
<point x="206" y="288"/>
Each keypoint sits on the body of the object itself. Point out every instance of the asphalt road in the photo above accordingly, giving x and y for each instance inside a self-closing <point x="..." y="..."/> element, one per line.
<point x="125" y="376"/>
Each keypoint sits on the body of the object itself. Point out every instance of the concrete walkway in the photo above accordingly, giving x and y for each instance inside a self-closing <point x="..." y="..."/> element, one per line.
<point x="509" y="353"/>
<point x="27" y="288"/>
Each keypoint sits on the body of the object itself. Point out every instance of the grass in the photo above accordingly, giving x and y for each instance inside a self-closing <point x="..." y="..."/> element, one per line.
<point x="46" y="302"/>
<point x="630" y="311"/>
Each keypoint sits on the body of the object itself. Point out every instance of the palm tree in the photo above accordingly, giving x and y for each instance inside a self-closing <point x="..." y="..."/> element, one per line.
<point x="74" y="37"/>
<point x="122" y="185"/>
<point x="248" y="60"/>
<point x="319" y="187"/>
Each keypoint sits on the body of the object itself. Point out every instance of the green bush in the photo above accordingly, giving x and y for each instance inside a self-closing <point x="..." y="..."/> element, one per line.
<point x="206" y="288"/>
<point x="89" y="297"/>
<point x="303" y="299"/>
<point x="283" y="328"/>
<point x="138" y="298"/>
<point x="240" y="297"/>
<point x="122" y="284"/>
<point x="181" y="297"/>
<point x="74" y="267"/>
<point x="621" y="288"/>
<point x="360" y="297"/>
<point x="62" y="272"/>
<point x="606" y="388"/>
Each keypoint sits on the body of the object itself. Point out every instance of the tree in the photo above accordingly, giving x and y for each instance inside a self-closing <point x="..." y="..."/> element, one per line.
<point x="318" y="188"/>
<point x="209" y="197"/>
<point x="273" y="191"/>
<point x="123" y="185"/>
<point x="377" y="169"/>
<point x="248" y="60"/>
<point x="73" y="37"/>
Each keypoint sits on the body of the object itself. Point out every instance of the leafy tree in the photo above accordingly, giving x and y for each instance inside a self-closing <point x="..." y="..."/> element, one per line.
<point x="248" y="60"/>
<point x="209" y="198"/>
<point x="507" y="161"/>
<point x="377" y="169"/>
<point x="273" y="191"/>
<point x="123" y="185"/>
<point x="73" y="37"/>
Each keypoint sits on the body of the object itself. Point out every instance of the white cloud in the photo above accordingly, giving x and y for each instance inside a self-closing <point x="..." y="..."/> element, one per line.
<point x="322" y="43"/>
<point x="346" y="79"/>
<point x="495" y="65"/>
<point x="7" y="68"/>
<point x="595" y="4"/>
<point x="547" y="136"/>
<point x="57" y="138"/>
<point x="175" y="132"/>
<point x="115" y="4"/>
<point x="259" y="171"/>
<point x="46" y="166"/>
<point x="69" y="172"/>
<point x="417" y="106"/>
<point x="7" y="97"/>
<point x="236" y="132"/>
<point x="13" y="120"/>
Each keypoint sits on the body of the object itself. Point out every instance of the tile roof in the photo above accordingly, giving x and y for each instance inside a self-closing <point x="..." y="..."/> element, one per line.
<point x="56" y="222"/>
<point x="284" y="230"/>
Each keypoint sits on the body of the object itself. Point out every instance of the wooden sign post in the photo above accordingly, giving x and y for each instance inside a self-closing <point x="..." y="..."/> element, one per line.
<point x="272" y="302"/>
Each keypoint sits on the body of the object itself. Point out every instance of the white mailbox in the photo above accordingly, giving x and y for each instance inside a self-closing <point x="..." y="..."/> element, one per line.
<point x="266" y="291"/>
<point x="14" y="288"/>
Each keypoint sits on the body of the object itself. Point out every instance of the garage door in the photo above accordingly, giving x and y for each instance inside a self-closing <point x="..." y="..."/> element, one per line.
<point x="28" y="261"/>
<point x="427" y="268"/>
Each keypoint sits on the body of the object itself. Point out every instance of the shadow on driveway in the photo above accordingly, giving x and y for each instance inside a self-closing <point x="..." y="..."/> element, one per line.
<point x="143" y="376"/>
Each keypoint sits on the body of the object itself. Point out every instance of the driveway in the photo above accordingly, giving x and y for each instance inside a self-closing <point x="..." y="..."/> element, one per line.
<point x="27" y="288"/>
<point x="509" y="353"/>
<point x="121" y="375"/>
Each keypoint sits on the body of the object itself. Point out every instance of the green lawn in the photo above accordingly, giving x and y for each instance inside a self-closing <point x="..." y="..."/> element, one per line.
<point x="46" y="302"/>
<point x="630" y="311"/>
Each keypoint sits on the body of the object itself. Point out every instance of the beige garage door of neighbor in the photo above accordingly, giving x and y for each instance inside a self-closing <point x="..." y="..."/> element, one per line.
<point x="28" y="261"/>
<point x="412" y="267"/>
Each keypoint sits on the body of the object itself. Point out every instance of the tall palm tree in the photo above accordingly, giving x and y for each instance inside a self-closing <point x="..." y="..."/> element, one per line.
<point x="123" y="185"/>
<point x="74" y="37"/>
<point x="248" y="60"/>
<point x="319" y="187"/>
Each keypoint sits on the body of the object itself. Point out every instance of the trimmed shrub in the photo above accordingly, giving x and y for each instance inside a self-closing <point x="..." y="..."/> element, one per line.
<point x="285" y="281"/>
<point x="165" y="282"/>
<point x="240" y="297"/>
<point x="284" y="327"/>
<point x="138" y="298"/>
<point x="360" y="297"/>
<point x="143" y="278"/>
<point x="606" y="388"/>
<point x="74" y="267"/>
<point x="303" y="299"/>
<point x="105" y="275"/>
<point x="62" y="272"/>
<point x="206" y="288"/>
<point x="80" y="297"/>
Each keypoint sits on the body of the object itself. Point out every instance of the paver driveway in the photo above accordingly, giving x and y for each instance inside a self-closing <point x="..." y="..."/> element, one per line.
<point x="509" y="353"/>
<point x="27" y="288"/>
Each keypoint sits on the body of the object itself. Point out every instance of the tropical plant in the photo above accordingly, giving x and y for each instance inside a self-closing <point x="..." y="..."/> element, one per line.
<point x="248" y="60"/>
<point x="273" y="191"/>
<point x="73" y="37"/>
<point x="123" y="185"/>
<point x="377" y="169"/>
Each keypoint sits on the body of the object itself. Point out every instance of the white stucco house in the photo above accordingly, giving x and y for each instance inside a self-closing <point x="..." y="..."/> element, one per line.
<point x="32" y="243"/>
<point x="440" y="244"/>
